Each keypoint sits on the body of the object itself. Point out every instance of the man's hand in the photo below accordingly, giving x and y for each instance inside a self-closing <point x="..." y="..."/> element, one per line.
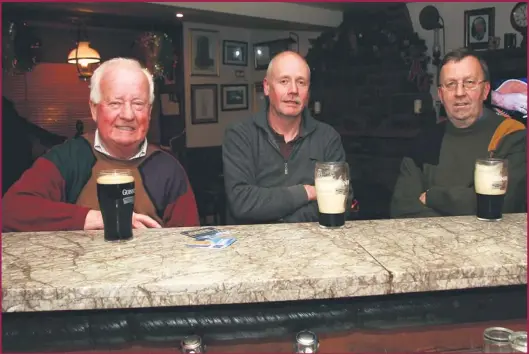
<point x="94" y="221"/>
<point x="141" y="221"/>
<point x="422" y="198"/>
<point x="311" y="192"/>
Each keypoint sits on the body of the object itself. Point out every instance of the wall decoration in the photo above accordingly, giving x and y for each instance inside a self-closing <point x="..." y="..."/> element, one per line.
<point x="157" y="52"/>
<point x="479" y="26"/>
<point x="205" y="53"/>
<point x="234" y="97"/>
<point x="263" y="52"/>
<point x="204" y="104"/>
<point x="234" y="53"/>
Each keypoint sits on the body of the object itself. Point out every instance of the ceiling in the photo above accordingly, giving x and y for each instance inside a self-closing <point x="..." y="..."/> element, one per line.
<point x="348" y="6"/>
<point x="94" y="13"/>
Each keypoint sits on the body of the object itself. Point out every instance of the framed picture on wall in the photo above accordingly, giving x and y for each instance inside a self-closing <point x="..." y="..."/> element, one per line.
<point x="479" y="26"/>
<point x="234" y="97"/>
<point x="204" y="104"/>
<point x="261" y="54"/>
<point x="205" y="52"/>
<point x="234" y="53"/>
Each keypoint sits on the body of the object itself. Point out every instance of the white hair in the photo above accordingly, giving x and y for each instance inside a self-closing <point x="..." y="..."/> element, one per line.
<point x="95" y="80"/>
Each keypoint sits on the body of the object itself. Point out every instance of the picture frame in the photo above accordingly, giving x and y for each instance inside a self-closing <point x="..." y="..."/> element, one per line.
<point x="234" y="97"/>
<point x="262" y="57"/>
<point x="204" y="104"/>
<point x="205" y="52"/>
<point x="234" y="53"/>
<point x="479" y="26"/>
<point x="263" y="52"/>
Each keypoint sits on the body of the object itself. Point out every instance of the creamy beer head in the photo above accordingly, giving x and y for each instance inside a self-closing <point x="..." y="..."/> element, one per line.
<point x="331" y="194"/>
<point x="489" y="179"/>
<point x="115" y="179"/>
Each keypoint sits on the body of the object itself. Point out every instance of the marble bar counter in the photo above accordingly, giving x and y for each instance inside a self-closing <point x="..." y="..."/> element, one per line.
<point x="54" y="271"/>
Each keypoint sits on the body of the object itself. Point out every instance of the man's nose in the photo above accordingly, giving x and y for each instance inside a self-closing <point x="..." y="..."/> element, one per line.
<point x="293" y="88"/>
<point x="127" y="111"/>
<point x="460" y="90"/>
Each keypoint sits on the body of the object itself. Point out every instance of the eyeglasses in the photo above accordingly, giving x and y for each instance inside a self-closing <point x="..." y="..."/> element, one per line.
<point x="468" y="85"/>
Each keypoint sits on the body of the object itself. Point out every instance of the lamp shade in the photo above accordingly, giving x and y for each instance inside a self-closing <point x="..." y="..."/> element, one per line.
<point x="84" y="55"/>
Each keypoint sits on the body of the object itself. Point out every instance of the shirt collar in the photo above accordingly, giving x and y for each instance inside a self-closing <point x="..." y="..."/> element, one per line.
<point x="98" y="146"/>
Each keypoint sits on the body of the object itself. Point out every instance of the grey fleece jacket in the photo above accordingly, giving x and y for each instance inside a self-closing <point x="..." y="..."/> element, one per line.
<point x="263" y="187"/>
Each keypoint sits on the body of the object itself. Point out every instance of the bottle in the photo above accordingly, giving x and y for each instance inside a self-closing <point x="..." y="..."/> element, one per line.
<point x="192" y="344"/>
<point x="306" y="342"/>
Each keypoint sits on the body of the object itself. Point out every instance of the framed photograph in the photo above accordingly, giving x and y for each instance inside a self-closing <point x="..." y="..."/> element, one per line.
<point x="479" y="26"/>
<point x="261" y="54"/>
<point x="205" y="52"/>
<point x="204" y="104"/>
<point x="234" y="97"/>
<point x="234" y="53"/>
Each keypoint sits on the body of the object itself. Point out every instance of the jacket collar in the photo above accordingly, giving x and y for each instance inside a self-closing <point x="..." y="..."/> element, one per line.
<point x="308" y="123"/>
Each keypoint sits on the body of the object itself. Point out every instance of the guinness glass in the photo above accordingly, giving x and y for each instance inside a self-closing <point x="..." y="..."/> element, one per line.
<point x="115" y="192"/>
<point x="332" y="188"/>
<point x="490" y="181"/>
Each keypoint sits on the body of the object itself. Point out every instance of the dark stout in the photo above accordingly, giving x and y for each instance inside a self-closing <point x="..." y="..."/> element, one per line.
<point x="491" y="186"/>
<point x="489" y="207"/>
<point x="116" y="202"/>
<point x="331" y="220"/>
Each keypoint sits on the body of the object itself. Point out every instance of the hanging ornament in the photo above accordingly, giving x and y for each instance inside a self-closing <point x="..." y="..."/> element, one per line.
<point x="157" y="53"/>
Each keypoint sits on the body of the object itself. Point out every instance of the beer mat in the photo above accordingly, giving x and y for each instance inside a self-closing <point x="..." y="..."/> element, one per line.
<point x="213" y="242"/>
<point x="203" y="233"/>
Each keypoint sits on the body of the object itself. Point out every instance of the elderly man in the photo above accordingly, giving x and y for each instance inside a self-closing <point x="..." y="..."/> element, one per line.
<point x="269" y="159"/>
<point x="437" y="177"/>
<point x="59" y="191"/>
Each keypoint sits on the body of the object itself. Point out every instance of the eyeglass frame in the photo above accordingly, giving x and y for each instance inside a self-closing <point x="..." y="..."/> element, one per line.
<point x="443" y="86"/>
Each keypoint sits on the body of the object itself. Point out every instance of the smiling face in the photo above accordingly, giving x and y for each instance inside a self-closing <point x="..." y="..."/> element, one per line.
<point x="463" y="106"/>
<point x="287" y="85"/>
<point x="123" y="114"/>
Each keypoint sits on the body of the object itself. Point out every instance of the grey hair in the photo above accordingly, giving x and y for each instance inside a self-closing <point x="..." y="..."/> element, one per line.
<point x="459" y="54"/>
<point x="95" y="80"/>
<point x="274" y="59"/>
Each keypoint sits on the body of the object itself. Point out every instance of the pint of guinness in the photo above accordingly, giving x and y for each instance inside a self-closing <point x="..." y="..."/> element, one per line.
<point x="490" y="181"/>
<point x="115" y="192"/>
<point x="332" y="188"/>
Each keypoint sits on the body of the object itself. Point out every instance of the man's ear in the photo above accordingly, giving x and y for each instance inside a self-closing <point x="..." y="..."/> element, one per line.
<point x="440" y="95"/>
<point x="486" y="90"/>
<point x="93" y="110"/>
<point x="266" y="86"/>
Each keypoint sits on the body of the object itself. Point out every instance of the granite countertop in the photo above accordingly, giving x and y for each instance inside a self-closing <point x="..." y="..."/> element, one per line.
<point x="49" y="271"/>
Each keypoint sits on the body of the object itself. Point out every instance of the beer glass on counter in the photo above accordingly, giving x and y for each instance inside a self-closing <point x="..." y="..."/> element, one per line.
<point x="115" y="192"/>
<point x="332" y="189"/>
<point x="306" y="342"/>
<point x="490" y="182"/>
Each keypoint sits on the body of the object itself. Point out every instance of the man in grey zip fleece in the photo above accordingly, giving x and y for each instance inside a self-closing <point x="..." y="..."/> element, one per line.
<point x="269" y="159"/>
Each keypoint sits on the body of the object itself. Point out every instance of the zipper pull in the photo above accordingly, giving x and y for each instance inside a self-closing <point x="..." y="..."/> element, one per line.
<point x="286" y="168"/>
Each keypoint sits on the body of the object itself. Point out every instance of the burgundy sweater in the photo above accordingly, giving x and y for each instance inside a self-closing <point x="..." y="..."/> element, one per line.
<point x="59" y="189"/>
